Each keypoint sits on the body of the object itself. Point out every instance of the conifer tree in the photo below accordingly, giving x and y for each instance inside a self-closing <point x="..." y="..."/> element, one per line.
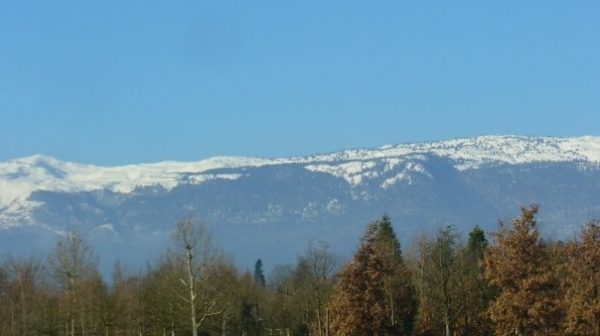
<point x="477" y="292"/>
<point x="582" y="282"/>
<point x="374" y="294"/>
<point x="477" y="242"/>
<point x="386" y="238"/>
<point x="259" y="275"/>
<point x="358" y="307"/>
<point x="518" y="265"/>
<point x="401" y="295"/>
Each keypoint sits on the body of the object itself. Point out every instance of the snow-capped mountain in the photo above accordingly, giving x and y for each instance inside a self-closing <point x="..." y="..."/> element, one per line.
<point x="20" y="177"/>
<point x="329" y="196"/>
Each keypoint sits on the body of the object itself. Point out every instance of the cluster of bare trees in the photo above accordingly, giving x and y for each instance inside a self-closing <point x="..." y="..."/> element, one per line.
<point x="193" y="289"/>
<point x="516" y="285"/>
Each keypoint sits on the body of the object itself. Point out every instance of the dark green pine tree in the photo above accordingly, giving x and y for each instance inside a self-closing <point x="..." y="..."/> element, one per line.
<point x="400" y="293"/>
<point x="259" y="275"/>
<point x="386" y="236"/>
<point x="478" y="293"/>
<point x="477" y="242"/>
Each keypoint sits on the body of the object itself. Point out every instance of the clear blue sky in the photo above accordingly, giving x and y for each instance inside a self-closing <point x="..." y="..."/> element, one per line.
<point x="116" y="82"/>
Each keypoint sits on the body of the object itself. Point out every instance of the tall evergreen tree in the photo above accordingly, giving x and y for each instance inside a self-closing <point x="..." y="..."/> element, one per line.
<point x="477" y="292"/>
<point x="477" y="242"/>
<point x="374" y="294"/>
<point x="259" y="275"/>
<point x="401" y="304"/>
<point x="386" y="237"/>
<point x="518" y="265"/>
<point x="582" y="282"/>
<point x="358" y="306"/>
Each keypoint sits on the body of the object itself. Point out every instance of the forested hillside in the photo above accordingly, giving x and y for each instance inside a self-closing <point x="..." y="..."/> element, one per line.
<point x="508" y="281"/>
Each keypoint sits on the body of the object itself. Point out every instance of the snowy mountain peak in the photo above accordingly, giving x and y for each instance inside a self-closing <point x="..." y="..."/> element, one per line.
<point x="36" y="159"/>
<point x="471" y="153"/>
<point x="20" y="177"/>
<point x="278" y="204"/>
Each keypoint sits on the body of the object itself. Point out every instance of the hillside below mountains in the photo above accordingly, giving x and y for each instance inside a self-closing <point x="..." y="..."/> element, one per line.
<point x="272" y="208"/>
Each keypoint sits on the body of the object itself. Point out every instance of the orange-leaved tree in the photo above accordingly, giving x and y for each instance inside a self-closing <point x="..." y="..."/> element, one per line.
<point x="358" y="306"/>
<point x="582" y="282"/>
<point x="374" y="294"/>
<point x="519" y="266"/>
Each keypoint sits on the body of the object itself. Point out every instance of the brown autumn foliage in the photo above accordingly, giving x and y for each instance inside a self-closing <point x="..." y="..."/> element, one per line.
<point x="582" y="282"/>
<point x="519" y="266"/>
<point x="358" y="307"/>
<point x="520" y="285"/>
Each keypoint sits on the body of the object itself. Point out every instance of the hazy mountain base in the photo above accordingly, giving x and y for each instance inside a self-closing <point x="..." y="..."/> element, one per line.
<point x="272" y="212"/>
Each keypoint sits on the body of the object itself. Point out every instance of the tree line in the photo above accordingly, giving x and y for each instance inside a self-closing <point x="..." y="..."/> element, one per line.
<point x="514" y="284"/>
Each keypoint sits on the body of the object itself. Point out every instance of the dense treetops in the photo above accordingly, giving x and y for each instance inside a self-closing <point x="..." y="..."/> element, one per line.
<point x="513" y="284"/>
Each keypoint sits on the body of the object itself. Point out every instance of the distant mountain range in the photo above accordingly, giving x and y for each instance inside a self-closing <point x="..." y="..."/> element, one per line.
<point x="271" y="208"/>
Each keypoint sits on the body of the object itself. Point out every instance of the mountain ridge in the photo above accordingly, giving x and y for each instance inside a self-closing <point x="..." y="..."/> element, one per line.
<point x="257" y="206"/>
<point x="20" y="177"/>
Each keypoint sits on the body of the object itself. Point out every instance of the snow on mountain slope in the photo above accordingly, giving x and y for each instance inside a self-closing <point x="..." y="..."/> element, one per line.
<point x="472" y="153"/>
<point x="20" y="177"/>
<point x="469" y="153"/>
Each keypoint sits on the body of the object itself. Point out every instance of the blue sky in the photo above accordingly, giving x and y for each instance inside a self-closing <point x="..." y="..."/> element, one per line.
<point x="117" y="82"/>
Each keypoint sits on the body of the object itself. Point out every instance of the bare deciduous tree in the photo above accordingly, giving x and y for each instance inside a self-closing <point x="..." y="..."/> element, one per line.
<point x="71" y="262"/>
<point x="439" y="274"/>
<point x="194" y="253"/>
<point x="320" y="265"/>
